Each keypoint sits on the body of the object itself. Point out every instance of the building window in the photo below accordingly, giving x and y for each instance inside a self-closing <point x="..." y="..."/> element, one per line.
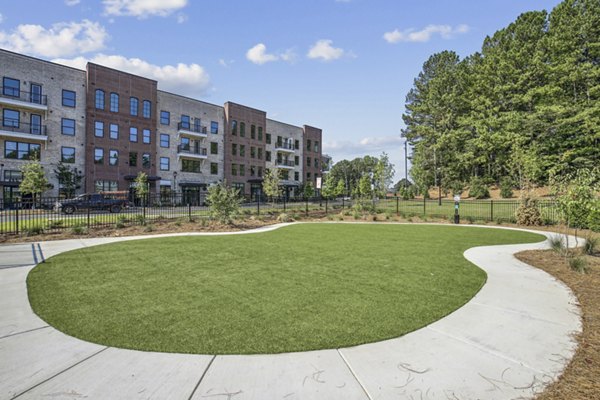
<point x="165" y="118"/>
<point x="316" y="147"/>
<point x="146" y="160"/>
<point x="164" y="140"/>
<point x="11" y="87"/>
<point x="308" y="176"/>
<point x="22" y="151"/>
<point x="267" y="156"/>
<point x="133" y="134"/>
<point x="308" y="145"/>
<point x="132" y="159"/>
<point x="67" y="126"/>
<point x="185" y="122"/>
<point x="99" y="99"/>
<point x="98" y="156"/>
<point x="67" y="155"/>
<point x="164" y="164"/>
<point x="242" y="150"/>
<point x="296" y="145"/>
<point x="35" y="124"/>
<point x="133" y="106"/>
<point x="35" y="95"/>
<point x="68" y="98"/>
<point x="316" y="163"/>
<point x="99" y="129"/>
<point x="252" y="170"/>
<point x="296" y="160"/>
<point x="146" y="136"/>
<point x="214" y="127"/>
<point x="268" y="138"/>
<point x="233" y="149"/>
<point x="114" y="131"/>
<point x="308" y="161"/>
<point x="190" y="166"/>
<point x="296" y="176"/>
<point x="214" y="148"/>
<point x="105" y="186"/>
<point x="242" y="170"/>
<point x="11" y="118"/>
<point x="146" y="109"/>
<point x="214" y="168"/>
<point x="260" y="133"/>
<point x="234" y="169"/>
<point x="260" y="172"/>
<point x="197" y="125"/>
<point x="113" y="157"/>
<point x="114" y="102"/>
<point x="234" y="127"/>
<point x="239" y="186"/>
<point x="259" y="155"/>
<point x="285" y="175"/>
<point x="242" y="129"/>
<point x="185" y="143"/>
<point x="252" y="152"/>
<point x="252" y="131"/>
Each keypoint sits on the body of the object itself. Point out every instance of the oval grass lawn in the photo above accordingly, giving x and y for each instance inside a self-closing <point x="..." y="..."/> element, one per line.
<point x="302" y="287"/>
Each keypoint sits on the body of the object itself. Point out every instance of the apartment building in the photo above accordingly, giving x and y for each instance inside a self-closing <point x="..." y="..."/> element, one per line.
<point x="109" y="125"/>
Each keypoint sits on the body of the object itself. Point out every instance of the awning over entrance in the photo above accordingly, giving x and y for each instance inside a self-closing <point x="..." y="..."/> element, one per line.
<point x="150" y="178"/>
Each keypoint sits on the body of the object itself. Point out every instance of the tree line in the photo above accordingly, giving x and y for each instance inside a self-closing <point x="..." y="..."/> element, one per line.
<point x="524" y="108"/>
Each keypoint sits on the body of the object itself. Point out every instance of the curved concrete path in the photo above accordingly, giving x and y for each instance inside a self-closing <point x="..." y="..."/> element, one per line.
<point x="508" y="342"/>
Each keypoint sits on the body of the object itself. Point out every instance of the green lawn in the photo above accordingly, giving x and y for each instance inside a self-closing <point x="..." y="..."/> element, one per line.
<point x="302" y="287"/>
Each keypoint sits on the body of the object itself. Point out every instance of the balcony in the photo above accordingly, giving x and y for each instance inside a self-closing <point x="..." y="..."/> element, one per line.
<point x="287" y="164"/>
<point x="187" y="151"/>
<point x="285" y="147"/>
<point x="187" y="129"/>
<point x="20" y="130"/>
<point x="17" y="98"/>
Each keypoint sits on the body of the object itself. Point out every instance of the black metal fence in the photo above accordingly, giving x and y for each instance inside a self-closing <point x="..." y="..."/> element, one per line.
<point x="46" y="215"/>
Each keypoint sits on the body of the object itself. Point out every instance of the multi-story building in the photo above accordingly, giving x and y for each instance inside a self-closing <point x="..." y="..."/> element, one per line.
<point x="109" y="125"/>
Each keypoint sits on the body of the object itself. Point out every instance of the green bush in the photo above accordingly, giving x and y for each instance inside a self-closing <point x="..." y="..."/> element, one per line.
<point x="506" y="187"/>
<point x="590" y="246"/>
<point x="55" y="224"/>
<point x="33" y="230"/>
<point x="578" y="264"/>
<point x="478" y="189"/>
<point x="78" y="229"/>
<point x="149" y="228"/>
<point x="224" y="203"/>
<point x="557" y="244"/>
<point x="139" y="219"/>
<point x="594" y="217"/>
<point x="528" y="213"/>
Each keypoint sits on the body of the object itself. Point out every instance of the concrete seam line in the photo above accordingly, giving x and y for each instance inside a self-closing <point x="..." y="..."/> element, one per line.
<point x="354" y="374"/>
<point x="486" y="351"/>
<point x="55" y="375"/>
<point x="202" y="377"/>
<point x="27" y="331"/>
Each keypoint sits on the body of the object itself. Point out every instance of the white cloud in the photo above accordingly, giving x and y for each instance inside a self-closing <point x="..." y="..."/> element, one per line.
<point x="142" y="8"/>
<point x="371" y="144"/>
<point x="60" y="40"/>
<point x="225" y="63"/>
<point x="425" y="34"/>
<point x="71" y="3"/>
<point x="258" y="55"/>
<point x="181" y="18"/>
<point x="289" y="56"/>
<point x="324" y="50"/>
<point x="186" y="79"/>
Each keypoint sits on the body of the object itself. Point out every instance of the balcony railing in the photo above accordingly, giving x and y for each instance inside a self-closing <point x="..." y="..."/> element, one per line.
<point x="286" y="163"/>
<point x="187" y="149"/>
<point x="28" y="97"/>
<point x="186" y="126"/>
<point x="285" y="146"/>
<point x="21" y="127"/>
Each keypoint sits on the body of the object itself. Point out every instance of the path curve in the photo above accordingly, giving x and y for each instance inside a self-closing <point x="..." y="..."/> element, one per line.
<point x="509" y="341"/>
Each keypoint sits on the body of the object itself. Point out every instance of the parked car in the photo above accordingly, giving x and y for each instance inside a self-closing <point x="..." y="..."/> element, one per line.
<point x="93" y="201"/>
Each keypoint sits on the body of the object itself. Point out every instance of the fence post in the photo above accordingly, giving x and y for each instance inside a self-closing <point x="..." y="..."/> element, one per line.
<point x="343" y="204"/>
<point x="190" y="212"/>
<point x="424" y="205"/>
<point x="258" y="205"/>
<point x="397" y="206"/>
<point x="144" y="210"/>
<point x="283" y="203"/>
<point x="17" y="220"/>
<point x="307" y="206"/>
<point x="88" y="217"/>
<point x="325" y="205"/>
<point x="491" y="210"/>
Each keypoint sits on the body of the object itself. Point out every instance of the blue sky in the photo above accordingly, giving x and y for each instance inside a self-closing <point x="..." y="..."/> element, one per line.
<point x="342" y="65"/>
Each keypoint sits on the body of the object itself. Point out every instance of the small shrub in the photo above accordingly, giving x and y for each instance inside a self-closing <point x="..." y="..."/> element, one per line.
<point x="347" y="213"/>
<point x="557" y="243"/>
<point x="139" y="219"/>
<point x="578" y="264"/>
<point x="79" y="229"/>
<point x="224" y="203"/>
<point x="149" y="228"/>
<point x="204" y="222"/>
<point x="119" y="224"/>
<point x="330" y="217"/>
<point x="470" y="219"/>
<point x="283" y="217"/>
<point x="528" y="213"/>
<point x="594" y="217"/>
<point x="424" y="218"/>
<point x="388" y="215"/>
<point x="590" y="246"/>
<point x="33" y="230"/>
<point x="55" y="224"/>
<point x="409" y="219"/>
<point x="356" y="215"/>
<point x="478" y="189"/>
<point x="160" y="218"/>
<point x="548" y="221"/>
<point x="506" y="187"/>
<point x="499" y="221"/>
<point x="178" y="223"/>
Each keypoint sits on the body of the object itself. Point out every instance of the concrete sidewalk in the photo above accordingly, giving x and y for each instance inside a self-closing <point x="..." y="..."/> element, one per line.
<point x="509" y="341"/>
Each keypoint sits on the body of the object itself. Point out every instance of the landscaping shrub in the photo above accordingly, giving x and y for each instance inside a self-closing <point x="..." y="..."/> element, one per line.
<point x="224" y="203"/>
<point x="590" y="246"/>
<point x="139" y="219"/>
<point x="470" y="219"/>
<point x="506" y="187"/>
<point x="557" y="244"/>
<point x="578" y="264"/>
<point x="594" y="217"/>
<point x="478" y="189"/>
<point x="78" y="229"/>
<point x="149" y="228"/>
<point x="528" y="213"/>
<point x="33" y="230"/>
<point x="283" y="217"/>
<point x="55" y="224"/>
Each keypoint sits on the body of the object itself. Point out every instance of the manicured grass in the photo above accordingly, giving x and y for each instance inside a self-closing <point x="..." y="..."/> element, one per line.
<point x="302" y="287"/>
